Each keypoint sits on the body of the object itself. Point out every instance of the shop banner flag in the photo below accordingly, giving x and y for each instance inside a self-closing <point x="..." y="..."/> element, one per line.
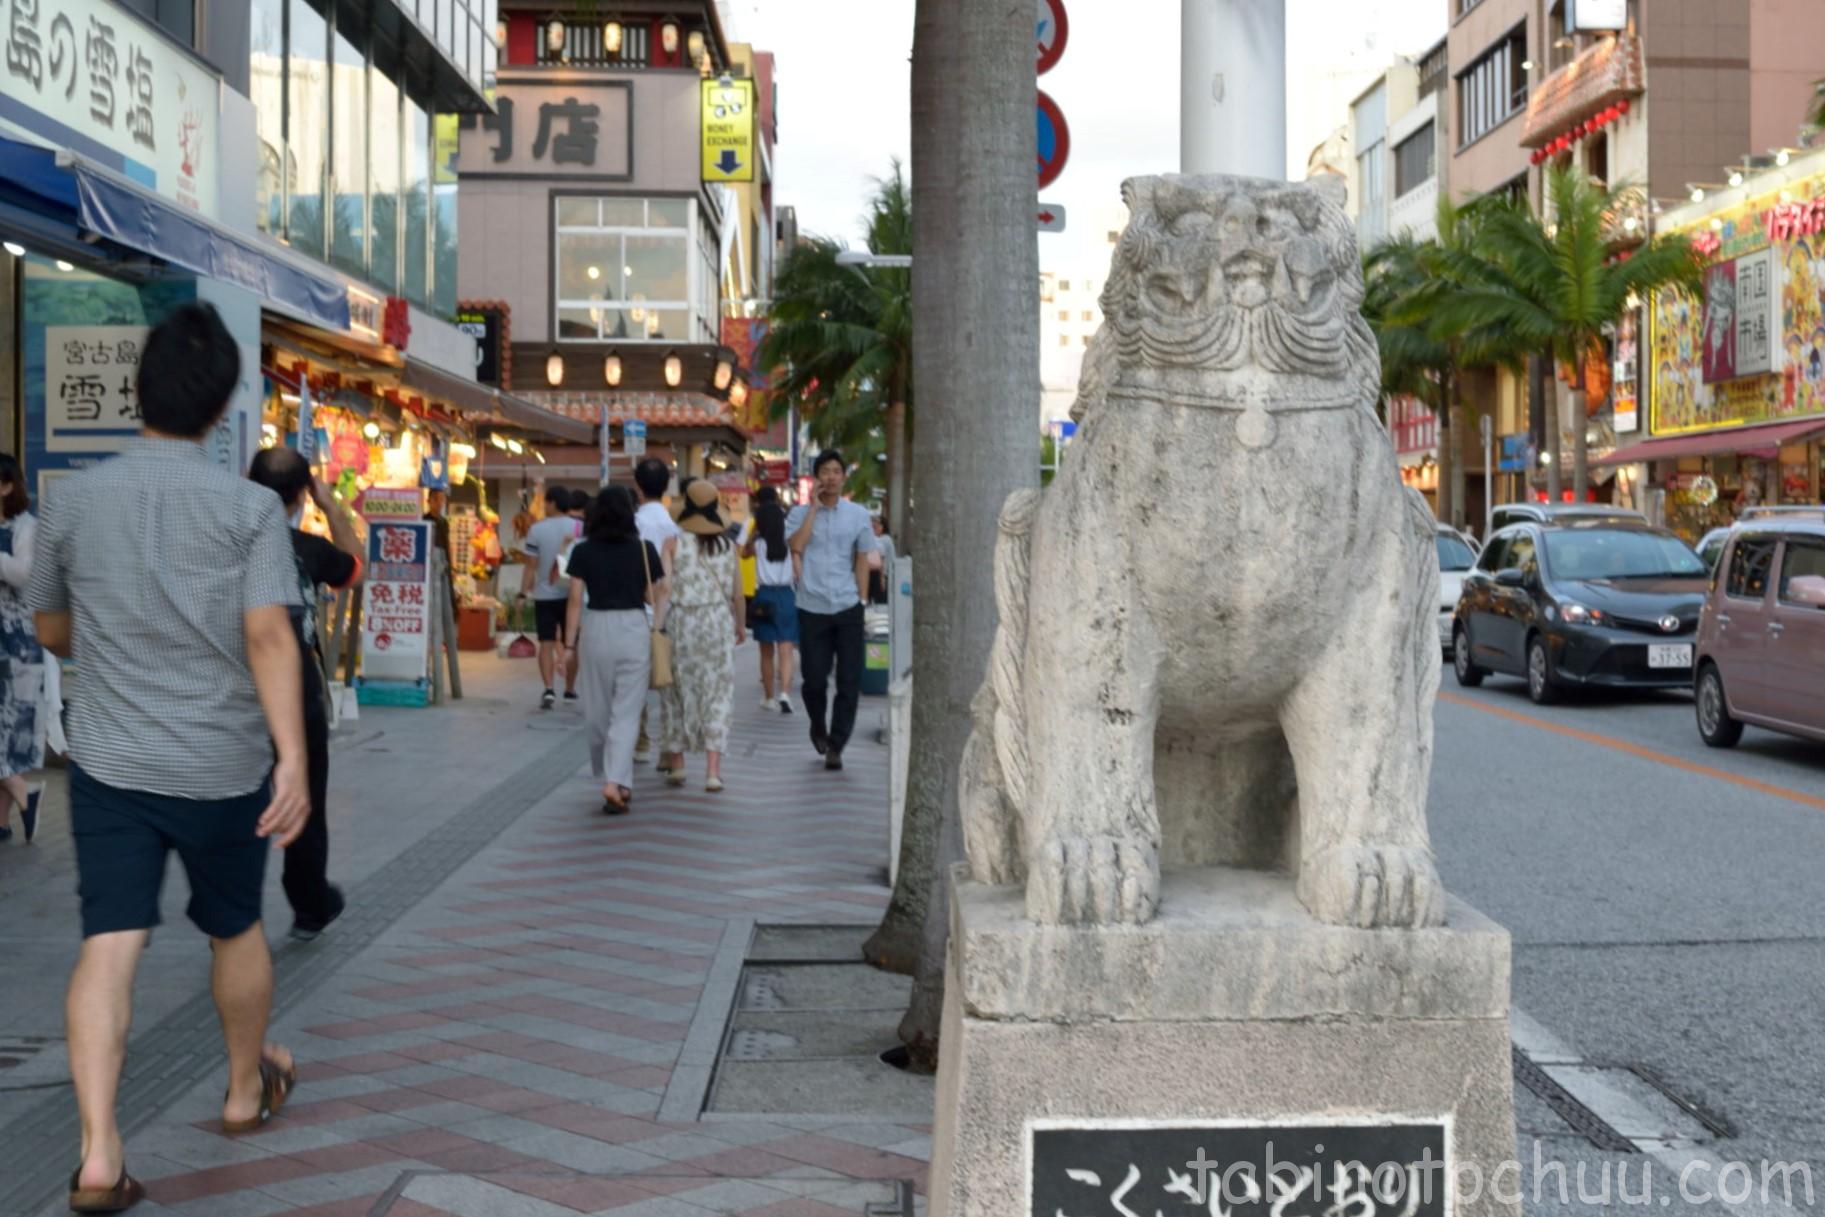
<point x="307" y="427"/>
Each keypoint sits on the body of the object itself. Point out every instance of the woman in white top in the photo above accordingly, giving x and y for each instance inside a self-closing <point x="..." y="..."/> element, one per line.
<point x="775" y="612"/>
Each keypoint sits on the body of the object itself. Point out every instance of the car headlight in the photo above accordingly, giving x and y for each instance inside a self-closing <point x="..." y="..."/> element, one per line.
<point x="1578" y="614"/>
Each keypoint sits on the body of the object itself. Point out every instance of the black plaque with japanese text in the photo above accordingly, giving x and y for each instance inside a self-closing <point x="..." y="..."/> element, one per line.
<point x="1315" y="1170"/>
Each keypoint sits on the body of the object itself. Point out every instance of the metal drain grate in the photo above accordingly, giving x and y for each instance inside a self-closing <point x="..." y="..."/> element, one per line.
<point x="1585" y="1122"/>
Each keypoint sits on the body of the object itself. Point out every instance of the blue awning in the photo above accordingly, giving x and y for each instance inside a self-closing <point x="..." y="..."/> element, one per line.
<point x="68" y="188"/>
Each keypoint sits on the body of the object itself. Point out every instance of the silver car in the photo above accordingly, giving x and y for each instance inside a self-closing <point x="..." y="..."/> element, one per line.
<point x="1456" y="555"/>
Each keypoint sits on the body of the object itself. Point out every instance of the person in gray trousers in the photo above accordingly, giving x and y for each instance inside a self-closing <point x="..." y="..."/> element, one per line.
<point x="614" y="575"/>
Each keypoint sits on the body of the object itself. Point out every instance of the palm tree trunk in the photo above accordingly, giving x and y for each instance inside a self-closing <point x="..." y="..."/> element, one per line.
<point x="897" y="485"/>
<point x="1447" y="456"/>
<point x="1460" y="475"/>
<point x="1581" y="474"/>
<point x="976" y="362"/>
<point x="1555" y="468"/>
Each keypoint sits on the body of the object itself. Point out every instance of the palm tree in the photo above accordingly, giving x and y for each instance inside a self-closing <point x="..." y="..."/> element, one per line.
<point x="839" y="345"/>
<point x="977" y="363"/>
<point x="1425" y="346"/>
<point x="1559" y="284"/>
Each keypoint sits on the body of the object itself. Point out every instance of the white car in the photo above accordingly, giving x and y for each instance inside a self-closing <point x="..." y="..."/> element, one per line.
<point x="1456" y="555"/>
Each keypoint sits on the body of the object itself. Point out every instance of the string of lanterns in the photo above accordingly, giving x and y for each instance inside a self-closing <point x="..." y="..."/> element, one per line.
<point x="1589" y="127"/>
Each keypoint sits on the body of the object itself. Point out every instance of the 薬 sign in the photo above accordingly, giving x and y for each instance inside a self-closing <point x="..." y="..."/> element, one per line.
<point x="1326" y="1168"/>
<point x="396" y="617"/>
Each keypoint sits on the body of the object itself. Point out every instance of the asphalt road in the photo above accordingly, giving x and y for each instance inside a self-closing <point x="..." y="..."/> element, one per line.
<point x="1665" y="900"/>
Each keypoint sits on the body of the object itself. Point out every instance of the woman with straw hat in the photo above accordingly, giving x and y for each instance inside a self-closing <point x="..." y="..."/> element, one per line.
<point x="706" y="601"/>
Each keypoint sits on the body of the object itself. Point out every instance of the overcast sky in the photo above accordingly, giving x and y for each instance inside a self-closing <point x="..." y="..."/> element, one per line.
<point x="843" y="94"/>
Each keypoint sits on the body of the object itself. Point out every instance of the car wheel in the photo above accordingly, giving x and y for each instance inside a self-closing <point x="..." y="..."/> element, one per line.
<point x="1715" y="726"/>
<point x="1469" y="676"/>
<point x="1540" y="683"/>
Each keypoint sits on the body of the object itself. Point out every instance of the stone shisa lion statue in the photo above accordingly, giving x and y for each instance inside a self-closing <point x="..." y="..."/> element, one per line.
<point x="1217" y="642"/>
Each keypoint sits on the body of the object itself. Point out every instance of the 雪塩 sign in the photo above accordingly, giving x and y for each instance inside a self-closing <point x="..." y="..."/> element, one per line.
<point x="728" y="130"/>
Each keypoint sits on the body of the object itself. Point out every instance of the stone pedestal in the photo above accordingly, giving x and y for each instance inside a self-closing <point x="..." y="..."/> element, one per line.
<point x="1233" y="1007"/>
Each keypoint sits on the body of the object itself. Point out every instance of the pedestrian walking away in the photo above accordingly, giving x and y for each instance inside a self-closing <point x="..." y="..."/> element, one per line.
<point x="832" y="538"/>
<point x="614" y="577"/>
<point x="880" y="563"/>
<point x="550" y="593"/>
<point x="336" y="564"/>
<point x="29" y="691"/>
<point x="705" y="596"/>
<point x="657" y="528"/>
<point x="773" y="614"/>
<point x="171" y="581"/>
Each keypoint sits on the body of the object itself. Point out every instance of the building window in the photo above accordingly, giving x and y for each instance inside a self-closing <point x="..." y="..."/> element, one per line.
<point x="383" y="181"/>
<point x="443" y="217"/>
<point x="415" y="202"/>
<point x="1464" y="6"/>
<point x="1414" y="161"/>
<point x="1064" y="340"/>
<point x="1064" y="314"/>
<point x="1493" y="89"/>
<point x="348" y="154"/>
<point x="306" y="143"/>
<point x="623" y="269"/>
<point x="1064" y="285"/>
<point x="266" y="87"/>
<point x="1372" y="184"/>
<point x="1086" y="314"/>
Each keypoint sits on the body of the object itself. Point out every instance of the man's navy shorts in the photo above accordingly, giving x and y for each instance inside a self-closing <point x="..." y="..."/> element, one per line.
<point x="123" y="836"/>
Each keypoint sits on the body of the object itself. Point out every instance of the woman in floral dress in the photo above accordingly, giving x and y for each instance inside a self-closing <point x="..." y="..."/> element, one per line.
<point x="22" y="672"/>
<point x="706" y="622"/>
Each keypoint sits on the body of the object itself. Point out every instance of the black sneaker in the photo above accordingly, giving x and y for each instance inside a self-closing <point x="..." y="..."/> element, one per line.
<point x="820" y="739"/>
<point x="28" y="815"/>
<point x="570" y="695"/>
<point x="308" y="931"/>
<point x="547" y="700"/>
<point x="833" y="759"/>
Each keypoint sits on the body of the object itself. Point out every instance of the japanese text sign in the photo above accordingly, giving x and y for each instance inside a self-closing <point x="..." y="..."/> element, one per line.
<point x="1328" y="1169"/>
<point x="540" y="129"/>
<point x="380" y="503"/>
<point x="93" y="68"/>
<point x="396" y="617"/>
<point x="91" y="402"/>
<point x="728" y="131"/>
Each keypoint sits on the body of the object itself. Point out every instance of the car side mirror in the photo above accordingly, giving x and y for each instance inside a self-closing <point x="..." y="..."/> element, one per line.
<point x="1808" y="590"/>
<point x="1514" y="576"/>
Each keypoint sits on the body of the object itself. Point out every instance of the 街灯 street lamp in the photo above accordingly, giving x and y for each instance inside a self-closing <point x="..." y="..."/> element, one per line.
<point x="611" y="370"/>
<point x="554" y="369"/>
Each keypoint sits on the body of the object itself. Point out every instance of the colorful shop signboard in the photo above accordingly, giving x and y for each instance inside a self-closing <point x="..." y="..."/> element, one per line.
<point x="1752" y="350"/>
<point x="396" y="616"/>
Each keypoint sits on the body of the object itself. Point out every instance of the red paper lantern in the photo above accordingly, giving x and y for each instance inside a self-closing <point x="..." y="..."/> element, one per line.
<point x="1623" y="105"/>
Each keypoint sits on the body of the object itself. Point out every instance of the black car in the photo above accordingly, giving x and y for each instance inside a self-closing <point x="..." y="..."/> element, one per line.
<point x="1580" y="602"/>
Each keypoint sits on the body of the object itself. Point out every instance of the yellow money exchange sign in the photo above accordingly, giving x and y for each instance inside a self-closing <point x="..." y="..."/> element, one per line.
<point x="728" y="130"/>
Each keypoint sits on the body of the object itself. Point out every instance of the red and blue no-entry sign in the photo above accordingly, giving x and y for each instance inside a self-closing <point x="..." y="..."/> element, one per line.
<point x="1054" y="29"/>
<point x="1054" y="141"/>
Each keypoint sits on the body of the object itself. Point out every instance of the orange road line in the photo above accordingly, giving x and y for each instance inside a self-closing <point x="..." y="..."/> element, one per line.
<point x="1646" y="754"/>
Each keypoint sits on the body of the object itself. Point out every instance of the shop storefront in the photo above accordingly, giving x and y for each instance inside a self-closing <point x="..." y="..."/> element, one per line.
<point x="110" y="216"/>
<point x="1736" y="379"/>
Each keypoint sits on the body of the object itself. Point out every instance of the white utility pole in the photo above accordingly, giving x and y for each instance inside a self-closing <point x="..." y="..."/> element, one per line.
<point x="1232" y="87"/>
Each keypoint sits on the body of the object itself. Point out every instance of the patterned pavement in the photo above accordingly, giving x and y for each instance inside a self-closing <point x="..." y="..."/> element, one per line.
<point x="504" y="1049"/>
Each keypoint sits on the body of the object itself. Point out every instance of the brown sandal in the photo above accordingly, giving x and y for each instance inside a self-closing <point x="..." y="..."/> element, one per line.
<point x="276" y="1083"/>
<point x="125" y="1193"/>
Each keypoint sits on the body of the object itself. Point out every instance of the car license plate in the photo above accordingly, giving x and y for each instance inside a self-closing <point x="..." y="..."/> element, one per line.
<point x="1670" y="656"/>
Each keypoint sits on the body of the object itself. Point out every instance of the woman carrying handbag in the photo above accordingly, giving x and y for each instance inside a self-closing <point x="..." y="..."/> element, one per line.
<point x="614" y="575"/>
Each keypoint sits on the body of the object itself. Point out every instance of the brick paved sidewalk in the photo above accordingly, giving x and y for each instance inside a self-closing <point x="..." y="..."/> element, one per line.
<point x="505" y="1046"/>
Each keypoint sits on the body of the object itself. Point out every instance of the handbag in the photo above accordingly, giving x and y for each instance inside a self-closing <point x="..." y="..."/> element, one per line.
<point x="662" y="643"/>
<point x="760" y="612"/>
